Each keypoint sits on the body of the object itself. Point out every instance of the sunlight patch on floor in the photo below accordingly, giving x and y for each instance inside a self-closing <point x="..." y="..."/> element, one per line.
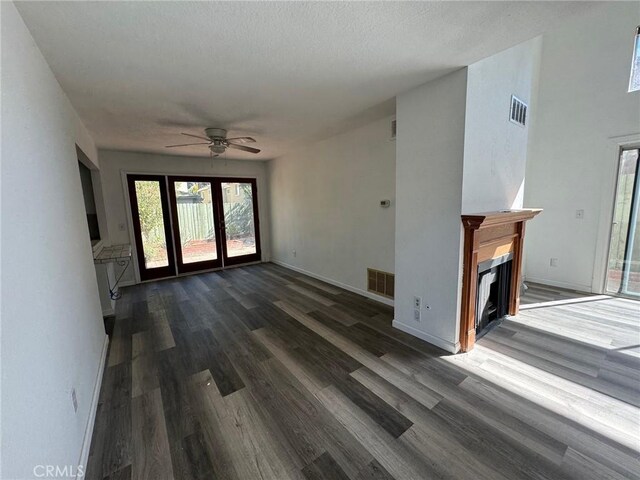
<point x="567" y="301"/>
<point x="569" y="399"/>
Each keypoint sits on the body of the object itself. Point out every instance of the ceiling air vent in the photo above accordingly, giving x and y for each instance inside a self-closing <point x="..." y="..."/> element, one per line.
<point x="394" y="128"/>
<point x="382" y="283"/>
<point x="518" y="113"/>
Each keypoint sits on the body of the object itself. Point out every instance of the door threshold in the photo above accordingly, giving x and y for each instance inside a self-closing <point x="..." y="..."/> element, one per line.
<point x="209" y="270"/>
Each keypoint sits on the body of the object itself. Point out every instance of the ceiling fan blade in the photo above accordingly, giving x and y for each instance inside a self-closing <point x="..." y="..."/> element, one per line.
<point x="242" y="140"/>
<point x="186" y="145"/>
<point x="242" y="147"/>
<point x="197" y="136"/>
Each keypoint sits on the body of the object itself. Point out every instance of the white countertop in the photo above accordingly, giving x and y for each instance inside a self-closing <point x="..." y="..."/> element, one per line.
<point x="113" y="253"/>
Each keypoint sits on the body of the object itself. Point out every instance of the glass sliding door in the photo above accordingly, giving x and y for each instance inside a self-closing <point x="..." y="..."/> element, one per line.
<point x="151" y="226"/>
<point x="239" y="225"/>
<point x="623" y="274"/>
<point x="195" y="223"/>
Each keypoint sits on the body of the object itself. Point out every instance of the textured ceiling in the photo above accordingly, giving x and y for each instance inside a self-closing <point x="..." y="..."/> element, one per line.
<point x="139" y="73"/>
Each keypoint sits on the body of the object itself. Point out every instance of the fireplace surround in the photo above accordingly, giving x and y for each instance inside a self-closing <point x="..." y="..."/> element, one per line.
<point x="491" y="239"/>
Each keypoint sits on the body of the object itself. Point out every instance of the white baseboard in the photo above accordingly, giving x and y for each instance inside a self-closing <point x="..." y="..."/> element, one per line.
<point x="364" y="293"/>
<point x="88" y="432"/>
<point x="126" y="283"/>
<point x="108" y="312"/>
<point x="437" y="341"/>
<point x="565" y="285"/>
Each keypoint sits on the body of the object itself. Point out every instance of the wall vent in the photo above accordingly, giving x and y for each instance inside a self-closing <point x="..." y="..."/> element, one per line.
<point x="518" y="114"/>
<point x="382" y="283"/>
<point x="394" y="128"/>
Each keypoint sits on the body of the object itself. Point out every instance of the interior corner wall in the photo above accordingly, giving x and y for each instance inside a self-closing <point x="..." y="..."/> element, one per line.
<point x="429" y="176"/>
<point x="114" y="163"/>
<point x="52" y="330"/>
<point x="582" y="106"/>
<point x="495" y="149"/>
<point x="325" y="206"/>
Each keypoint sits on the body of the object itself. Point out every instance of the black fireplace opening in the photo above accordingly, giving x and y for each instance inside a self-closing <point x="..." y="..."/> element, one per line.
<point x="494" y="289"/>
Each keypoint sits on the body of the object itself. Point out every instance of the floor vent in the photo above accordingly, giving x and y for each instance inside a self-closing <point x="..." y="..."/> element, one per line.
<point x="382" y="283"/>
<point x="518" y="111"/>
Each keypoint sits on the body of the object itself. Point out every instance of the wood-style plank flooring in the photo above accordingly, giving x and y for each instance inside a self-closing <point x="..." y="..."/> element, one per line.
<point x="536" y="293"/>
<point x="262" y="373"/>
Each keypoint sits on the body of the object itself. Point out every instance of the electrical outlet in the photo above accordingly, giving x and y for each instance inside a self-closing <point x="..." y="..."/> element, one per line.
<point x="553" y="262"/>
<point x="416" y="315"/>
<point x="580" y="214"/>
<point x="74" y="400"/>
<point x="295" y="254"/>
<point x="417" y="303"/>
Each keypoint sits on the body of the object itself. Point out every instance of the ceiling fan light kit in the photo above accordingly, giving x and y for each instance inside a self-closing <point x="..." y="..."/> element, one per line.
<point x="218" y="142"/>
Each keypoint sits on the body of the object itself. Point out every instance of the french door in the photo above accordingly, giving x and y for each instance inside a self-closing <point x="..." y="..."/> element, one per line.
<point x="186" y="224"/>
<point x="151" y="226"/>
<point x="195" y="214"/>
<point x="623" y="272"/>
<point x="239" y="226"/>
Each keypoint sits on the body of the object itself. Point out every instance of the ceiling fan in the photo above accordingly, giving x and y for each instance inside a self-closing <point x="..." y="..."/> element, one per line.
<point x="216" y="139"/>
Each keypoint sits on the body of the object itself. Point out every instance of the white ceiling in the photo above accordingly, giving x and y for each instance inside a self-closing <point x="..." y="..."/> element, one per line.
<point x="139" y="73"/>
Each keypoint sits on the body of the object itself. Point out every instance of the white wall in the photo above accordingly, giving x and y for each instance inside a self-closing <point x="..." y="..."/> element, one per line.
<point x="325" y="206"/>
<point x="429" y="161"/>
<point x="113" y="163"/>
<point x="582" y="103"/>
<point x="495" y="149"/>
<point x="52" y="331"/>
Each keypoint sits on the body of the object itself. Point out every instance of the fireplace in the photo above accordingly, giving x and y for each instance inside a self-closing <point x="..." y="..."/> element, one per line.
<point x="493" y="292"/>
<point x="492" y="269"/>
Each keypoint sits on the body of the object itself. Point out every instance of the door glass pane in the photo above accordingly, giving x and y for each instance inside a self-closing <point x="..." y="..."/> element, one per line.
<point x="239" y="223"/>
<point x="624" y="254"/>
<point x="194" y="203"/>
<point x="631" y="278"/>
<point x="154" y="241"/>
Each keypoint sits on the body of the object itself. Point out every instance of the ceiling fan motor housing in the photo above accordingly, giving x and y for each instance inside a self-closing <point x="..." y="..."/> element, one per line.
<point x="215" y="133"/>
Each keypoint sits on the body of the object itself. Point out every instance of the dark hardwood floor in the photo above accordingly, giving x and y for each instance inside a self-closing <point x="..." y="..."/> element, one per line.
<point x="259" y="372"/>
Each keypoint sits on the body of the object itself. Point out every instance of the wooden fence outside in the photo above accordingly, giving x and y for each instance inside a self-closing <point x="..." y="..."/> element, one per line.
<point x="195" y="221"/>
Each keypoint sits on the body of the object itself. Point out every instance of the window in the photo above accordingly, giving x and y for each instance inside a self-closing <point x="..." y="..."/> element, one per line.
<point x="634" y="79"/>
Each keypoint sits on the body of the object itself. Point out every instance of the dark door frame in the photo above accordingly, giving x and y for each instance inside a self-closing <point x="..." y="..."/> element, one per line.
<point x="194" y="266"/>
<point x="159" y="272"/>
<point x="631" y="230"/>
<point x="253" y="257"/>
